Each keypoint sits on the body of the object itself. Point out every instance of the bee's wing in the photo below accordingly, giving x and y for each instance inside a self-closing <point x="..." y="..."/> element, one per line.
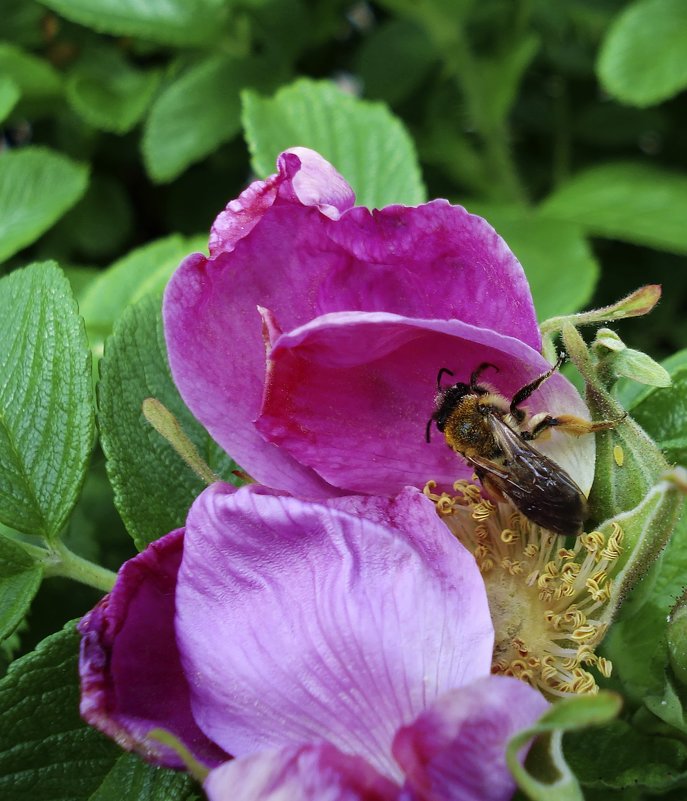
<point x="538" y="487"/>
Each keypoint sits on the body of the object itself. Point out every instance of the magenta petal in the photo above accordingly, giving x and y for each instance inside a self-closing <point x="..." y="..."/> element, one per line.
<point x="456" y="750"/>
<point x="293" y="245"/>
<point x="350" y="394"/>
<point x="313" y="772"/>
<point x="131" y="675"/>
<point x="302" y="621"/>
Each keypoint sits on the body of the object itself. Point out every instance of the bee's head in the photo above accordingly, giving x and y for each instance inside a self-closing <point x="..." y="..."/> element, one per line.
<point x="445" y="401"/>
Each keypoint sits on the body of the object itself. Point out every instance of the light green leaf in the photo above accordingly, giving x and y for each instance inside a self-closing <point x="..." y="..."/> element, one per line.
<point x="643" y="59"/>
<point x="37" y="187"/>
<point x="9" y="94"/>
<point x="108" y="92"/>
<point x="663" y="414"/>
<point x="364" y="141"/>
<point x="20" y="578"/>
<point x="153" y="486"/>
<point x="559" y="264"/>
<point x="46" y="407"/>
<point x="200" y="110"/>
<point x="174" y="22"/>
<point x="47" y="753"/>
<point x="36" y="78"/>
<point x="635" y="203"/>
<point x="143" y="271"/>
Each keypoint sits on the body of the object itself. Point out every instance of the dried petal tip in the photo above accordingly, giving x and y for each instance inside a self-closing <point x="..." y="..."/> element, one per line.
<point x="547" y="602"/>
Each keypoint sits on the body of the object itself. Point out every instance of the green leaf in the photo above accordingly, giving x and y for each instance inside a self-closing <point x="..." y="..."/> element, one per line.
<point x="36" y="78"/>
<point x="394" y="60"/>
<point x="37" y="187"/>
<point x="364" y="141"/>
<point x="46" y="407"/>
<point x="500" y="77"/>
<point x="559" y="264"/>
<point x="200" y="110"/>
<point x="47" y="753"/>
<point x="20" y="578"/>
<point x="143" y="271"/>
<point x="635" y="203"/>
<point x="108" y="92"/>
<point x="9" y="94"/>
<point x="175" y="22"/>
<point x="663" y="414"/>
<point x="153" y="486"/>
<point x="618" y="756"/>
<point x="642" y="60"/>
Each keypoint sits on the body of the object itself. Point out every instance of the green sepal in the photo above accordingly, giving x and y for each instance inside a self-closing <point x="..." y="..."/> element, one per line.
<point x="546" y="774"/>
<point x="645" y="531"/>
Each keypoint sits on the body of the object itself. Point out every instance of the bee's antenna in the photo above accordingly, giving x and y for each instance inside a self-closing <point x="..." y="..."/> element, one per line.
<point x="439" y="376"/>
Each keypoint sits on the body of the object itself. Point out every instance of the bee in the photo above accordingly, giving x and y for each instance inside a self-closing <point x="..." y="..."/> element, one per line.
<point x="494" y="434"/>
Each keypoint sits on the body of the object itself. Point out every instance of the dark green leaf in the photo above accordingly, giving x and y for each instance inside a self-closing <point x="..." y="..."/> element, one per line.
<point x="46" y="408"/>
<point x="37" y="187"/>
<point x="663" y="414"/>
<point x="196" y="113"/>
<point x="20" y="578"/>
<point x="153" y="486"/>
<point x="9" y="94"/>
<point x="108" y="92"/>
<point x="394" y="60"/>
<point x="174" y="22"/>
<point x="619" y="756"/>
<point x="47" y="753"/>
<point x="642" y="60"/>
<point x="559" y="264"/>
<point x="101" y="221"/>
<point x="636" y="203"/>
<point x="364" y="141"/>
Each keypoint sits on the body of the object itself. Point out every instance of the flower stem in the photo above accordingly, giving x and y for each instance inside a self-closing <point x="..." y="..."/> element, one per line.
<point x="65" y="563"/>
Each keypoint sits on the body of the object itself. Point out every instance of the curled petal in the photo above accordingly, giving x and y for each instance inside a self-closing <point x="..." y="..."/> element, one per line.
<point x="350" y="395"/>
<point x="310" y="772"/>
<point x="131" y="675"/>
<point x="295" y="620"/>
<point x="293" y="245"/>
<point x="456" y="749"/>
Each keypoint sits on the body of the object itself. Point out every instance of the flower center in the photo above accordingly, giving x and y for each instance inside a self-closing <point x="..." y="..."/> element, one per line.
<point x="546" y="601"/>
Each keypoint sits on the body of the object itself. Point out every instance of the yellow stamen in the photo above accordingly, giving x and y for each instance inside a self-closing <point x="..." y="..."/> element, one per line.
<point x="546" y="600"/>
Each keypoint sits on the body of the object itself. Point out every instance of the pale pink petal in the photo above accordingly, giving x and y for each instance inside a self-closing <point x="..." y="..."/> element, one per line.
<point x="456" y="749"/>
<point x="302" y="621"/>
<point x="315" y="772"/>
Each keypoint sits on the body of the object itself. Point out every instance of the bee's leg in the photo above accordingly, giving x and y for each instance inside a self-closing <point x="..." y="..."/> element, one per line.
<point x="523" y="394"/>
<point x="570" y="424"/>
<point x="474" y="386"/>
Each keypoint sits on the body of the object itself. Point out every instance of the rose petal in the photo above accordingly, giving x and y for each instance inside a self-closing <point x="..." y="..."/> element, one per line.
<point x="312" y="772"/>
<point x="131" y="675"/>
<point x="431" y="261"/>
<point x="350" y="394"/>
<point x="290" y="245"/>
<point x="300" y="621"/>
<point x="456" y="750"/>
